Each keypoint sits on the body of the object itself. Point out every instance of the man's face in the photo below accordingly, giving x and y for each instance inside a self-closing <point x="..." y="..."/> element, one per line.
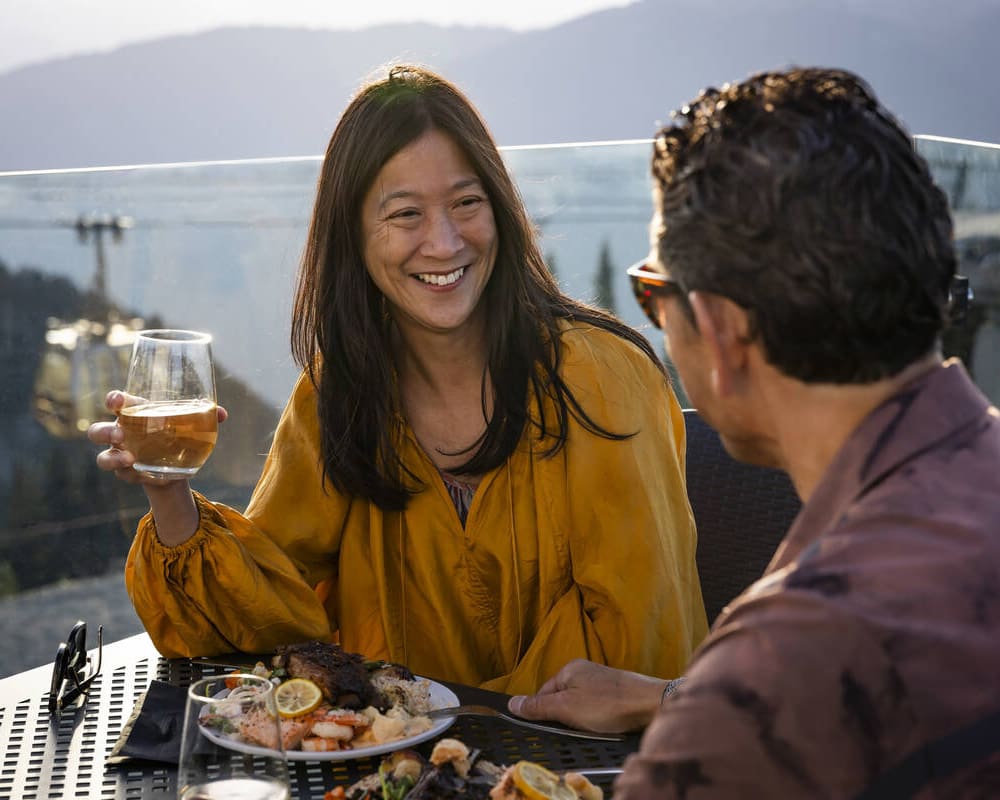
<point x="684" y="346"/>
<point x="730" y="411"/>
<point x="680" y="336"/>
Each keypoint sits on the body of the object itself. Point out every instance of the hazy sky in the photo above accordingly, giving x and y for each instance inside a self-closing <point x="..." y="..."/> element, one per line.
<point x="36" y="30"/>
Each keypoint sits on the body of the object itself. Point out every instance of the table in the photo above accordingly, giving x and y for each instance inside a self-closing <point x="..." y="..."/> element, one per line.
<point x="46" y="758"/>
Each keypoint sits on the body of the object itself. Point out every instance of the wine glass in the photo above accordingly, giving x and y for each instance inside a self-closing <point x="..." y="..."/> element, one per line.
<point x="170" y="420"/>
<point x="231" y="746"/>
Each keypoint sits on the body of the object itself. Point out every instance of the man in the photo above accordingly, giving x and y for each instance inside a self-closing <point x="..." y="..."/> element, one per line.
<point x="801" y="269"/>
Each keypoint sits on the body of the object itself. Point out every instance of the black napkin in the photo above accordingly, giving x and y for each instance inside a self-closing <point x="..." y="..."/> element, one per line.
<point x="153" y="731"/>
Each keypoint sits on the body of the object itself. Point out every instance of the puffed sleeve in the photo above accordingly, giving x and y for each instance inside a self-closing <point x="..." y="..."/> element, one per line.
<point x="635" y="599"/>
<point x="247" y="582"/>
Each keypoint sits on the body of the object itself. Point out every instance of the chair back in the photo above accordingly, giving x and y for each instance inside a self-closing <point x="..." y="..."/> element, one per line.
<point x="742" y="513"/>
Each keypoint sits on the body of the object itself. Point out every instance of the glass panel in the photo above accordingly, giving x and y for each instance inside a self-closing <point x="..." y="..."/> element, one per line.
<point x="87" y="257"/>
<point x="970" y="174"/>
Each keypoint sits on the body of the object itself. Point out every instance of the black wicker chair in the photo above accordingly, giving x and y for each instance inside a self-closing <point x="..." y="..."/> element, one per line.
<point x="742" y="513"/>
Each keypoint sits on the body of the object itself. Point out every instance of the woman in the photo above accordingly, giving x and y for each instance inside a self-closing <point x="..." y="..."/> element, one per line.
<point x="475" y="475"/>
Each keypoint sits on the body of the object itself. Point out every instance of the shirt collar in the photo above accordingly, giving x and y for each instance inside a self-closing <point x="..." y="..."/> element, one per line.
<point x="926" y="411"/>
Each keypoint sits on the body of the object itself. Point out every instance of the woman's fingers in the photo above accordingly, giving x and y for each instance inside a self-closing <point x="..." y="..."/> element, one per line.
<point x="128" y="475"/>
<point x="110" y="435"/>
<point x="116" y="399"/>
<point x="113" y="459"/>
<point x="106" y="433"/>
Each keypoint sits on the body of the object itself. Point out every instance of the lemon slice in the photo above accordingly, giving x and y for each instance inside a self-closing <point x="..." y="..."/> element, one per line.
<point x="297" y="697"/>
<point x="535" y="782"/>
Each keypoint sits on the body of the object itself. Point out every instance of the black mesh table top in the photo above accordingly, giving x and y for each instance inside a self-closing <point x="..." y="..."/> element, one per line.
<point x="46" y="758"/>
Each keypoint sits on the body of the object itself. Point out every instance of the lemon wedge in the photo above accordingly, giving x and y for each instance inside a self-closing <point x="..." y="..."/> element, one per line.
<point x="297" y="696"/>
<point x="535" y="782"/>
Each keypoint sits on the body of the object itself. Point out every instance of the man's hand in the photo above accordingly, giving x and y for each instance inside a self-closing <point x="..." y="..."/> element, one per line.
<point x="593" y="697"/>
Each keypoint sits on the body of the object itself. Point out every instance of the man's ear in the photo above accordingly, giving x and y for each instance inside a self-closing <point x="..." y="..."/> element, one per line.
<point x="724" y="327"/>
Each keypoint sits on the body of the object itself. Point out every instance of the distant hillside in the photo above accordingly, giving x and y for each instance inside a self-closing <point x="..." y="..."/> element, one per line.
<point x="231" y="93"/>
<point x="239" y="93"/>
<point x="616" y="73"/>
<point x="60" y="517"/>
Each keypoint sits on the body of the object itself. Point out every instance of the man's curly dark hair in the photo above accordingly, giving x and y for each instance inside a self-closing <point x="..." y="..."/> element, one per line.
<point x="798" y="196"/>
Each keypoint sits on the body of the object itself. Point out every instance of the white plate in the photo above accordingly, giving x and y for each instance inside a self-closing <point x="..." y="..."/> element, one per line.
<point x="440" y="696"/>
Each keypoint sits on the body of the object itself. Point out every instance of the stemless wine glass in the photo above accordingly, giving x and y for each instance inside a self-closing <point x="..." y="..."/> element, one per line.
<point x="171" y="422"/>
<point x="231" y="746"/>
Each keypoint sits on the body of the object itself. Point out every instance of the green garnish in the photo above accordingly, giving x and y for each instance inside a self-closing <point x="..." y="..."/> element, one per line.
<point x="219" y="723"/>
<point x="394" y="789"/>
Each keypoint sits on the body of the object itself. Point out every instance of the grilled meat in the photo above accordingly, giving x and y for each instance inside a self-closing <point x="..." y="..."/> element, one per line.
<point x="341" y="676"/>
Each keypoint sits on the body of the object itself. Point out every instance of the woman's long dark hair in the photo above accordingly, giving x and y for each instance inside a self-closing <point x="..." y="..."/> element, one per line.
<point x="340" y="329"/>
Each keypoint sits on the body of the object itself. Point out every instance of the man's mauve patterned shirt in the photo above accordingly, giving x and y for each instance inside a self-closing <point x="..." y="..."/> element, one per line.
<point x="875" y="629"/>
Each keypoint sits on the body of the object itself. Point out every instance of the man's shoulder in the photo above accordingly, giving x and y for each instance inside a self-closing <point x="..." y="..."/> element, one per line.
<point x="897" y="544"/>
<point x="848" y="673"/>
<point x="940" y="505"/>
<point x="780" y="695"/>
<point x="927" y="524"/>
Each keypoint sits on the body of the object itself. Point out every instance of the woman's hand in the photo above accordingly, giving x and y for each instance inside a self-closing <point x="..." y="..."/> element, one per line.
<point x="173" y="507"/>
<point x="110" y="434"/>
<point x="114" y="458"/>
<point x="594" y="697"/>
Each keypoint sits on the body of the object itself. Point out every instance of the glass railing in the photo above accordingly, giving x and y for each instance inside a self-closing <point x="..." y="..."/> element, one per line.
<point x="970" y="174"/>
<point x="88" y="256"/>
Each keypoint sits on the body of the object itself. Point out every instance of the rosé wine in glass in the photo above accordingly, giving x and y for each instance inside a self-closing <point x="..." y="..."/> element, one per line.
<point x="170" y="422"/>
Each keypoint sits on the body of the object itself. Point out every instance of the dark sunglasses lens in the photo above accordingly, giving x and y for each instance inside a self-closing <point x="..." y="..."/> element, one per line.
<point x="644" y="297"/>
<point x="59" y="673"/>
<point x="76" y="644"/>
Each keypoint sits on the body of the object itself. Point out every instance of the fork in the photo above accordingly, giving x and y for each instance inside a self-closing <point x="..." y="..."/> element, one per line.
<point x="487" y="711"/>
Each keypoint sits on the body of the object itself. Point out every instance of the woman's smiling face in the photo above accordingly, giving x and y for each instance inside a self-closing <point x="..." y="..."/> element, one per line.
<point x="430" y="240"/>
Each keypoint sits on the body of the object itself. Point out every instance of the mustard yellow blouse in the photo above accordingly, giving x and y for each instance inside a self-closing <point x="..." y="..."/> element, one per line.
<point x="590" y="553"/>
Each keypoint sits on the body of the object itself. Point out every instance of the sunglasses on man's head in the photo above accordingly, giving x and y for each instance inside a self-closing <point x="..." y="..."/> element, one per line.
<point x="70" y="681"/>
<point x="647" y="284"/>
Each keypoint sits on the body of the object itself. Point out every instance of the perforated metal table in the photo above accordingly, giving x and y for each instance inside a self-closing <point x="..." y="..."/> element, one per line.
<point x="46" y="758"/>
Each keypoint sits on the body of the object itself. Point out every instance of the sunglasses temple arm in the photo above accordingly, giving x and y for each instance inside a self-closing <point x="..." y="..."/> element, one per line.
<point x="69" y="697"/>
<point x="100" y="650"/>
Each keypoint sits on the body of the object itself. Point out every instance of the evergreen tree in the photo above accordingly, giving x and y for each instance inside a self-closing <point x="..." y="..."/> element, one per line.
<point x="604" y="285"/>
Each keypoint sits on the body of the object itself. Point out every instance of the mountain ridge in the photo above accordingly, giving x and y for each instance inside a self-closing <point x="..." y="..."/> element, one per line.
<point x="241" y="92"/>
